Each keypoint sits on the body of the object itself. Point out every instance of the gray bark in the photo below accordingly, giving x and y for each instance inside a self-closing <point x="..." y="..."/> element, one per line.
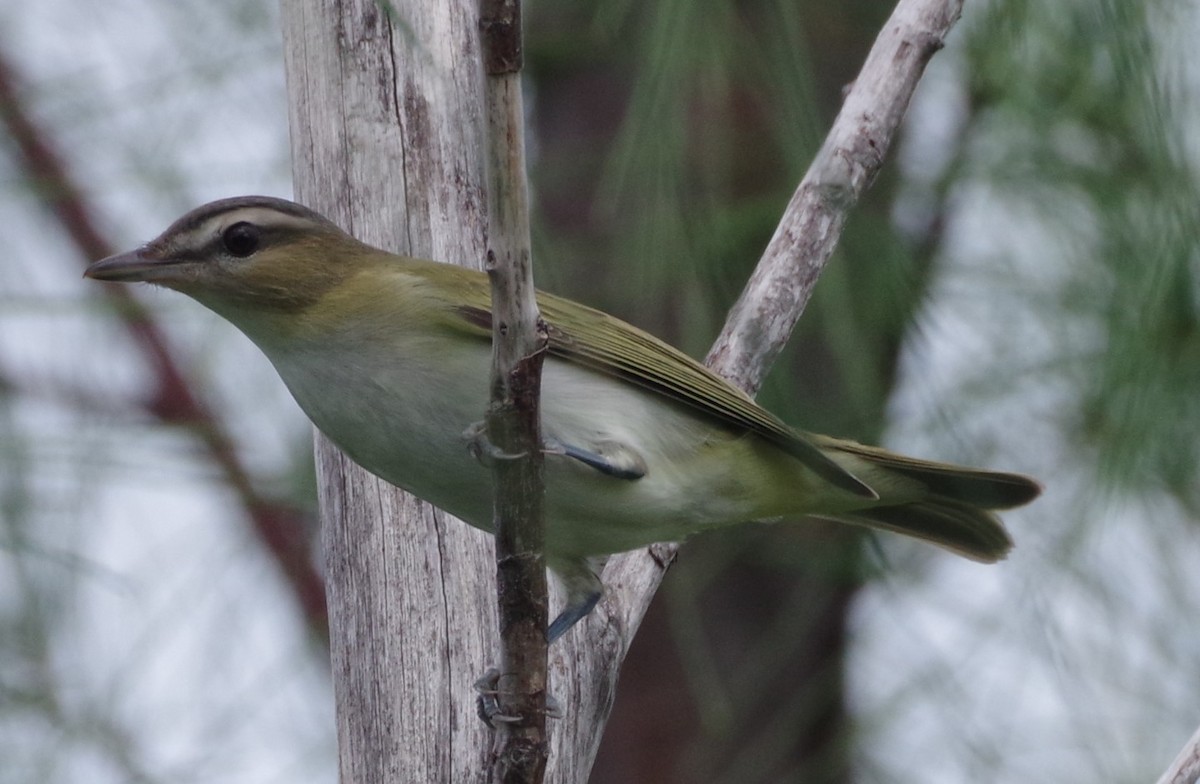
<point x="387" y="140"/>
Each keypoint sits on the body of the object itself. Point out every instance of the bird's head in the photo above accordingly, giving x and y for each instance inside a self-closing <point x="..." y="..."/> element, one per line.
<point x="245" y="254"/>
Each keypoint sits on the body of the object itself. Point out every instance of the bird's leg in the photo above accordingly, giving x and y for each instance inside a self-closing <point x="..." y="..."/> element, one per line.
<point x="608" y="457"/>
<point x="581" y="578"/>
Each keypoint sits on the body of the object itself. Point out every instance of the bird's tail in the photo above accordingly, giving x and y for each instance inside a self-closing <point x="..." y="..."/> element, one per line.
<point x="948" y="505"/>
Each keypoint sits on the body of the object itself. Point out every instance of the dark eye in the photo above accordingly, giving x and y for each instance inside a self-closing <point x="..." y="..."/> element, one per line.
<point x="241" y="239"/>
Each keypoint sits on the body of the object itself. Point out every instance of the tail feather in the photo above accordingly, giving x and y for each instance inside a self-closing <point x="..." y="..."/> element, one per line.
<point x="945" y="504"/>
<point x="975" y="486"/>
<point x="969" y="531"/>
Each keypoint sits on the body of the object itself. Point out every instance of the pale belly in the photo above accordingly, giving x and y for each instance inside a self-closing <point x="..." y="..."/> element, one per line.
<point x="405" y="423"/>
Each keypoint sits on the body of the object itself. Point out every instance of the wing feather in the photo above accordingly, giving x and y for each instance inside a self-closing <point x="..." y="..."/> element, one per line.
<point x="600" y="342"/>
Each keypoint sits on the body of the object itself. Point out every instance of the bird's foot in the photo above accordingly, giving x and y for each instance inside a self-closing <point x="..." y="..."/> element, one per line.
<point x="481" y="448"/>
<point x="487" y="704"/>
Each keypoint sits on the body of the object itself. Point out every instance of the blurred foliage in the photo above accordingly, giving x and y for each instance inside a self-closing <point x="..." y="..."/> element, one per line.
<point x="1069" y="271"/>
<point x="1084" y="134"/>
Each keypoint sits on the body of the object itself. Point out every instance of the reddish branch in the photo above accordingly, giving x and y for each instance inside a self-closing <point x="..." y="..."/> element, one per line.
<point x="280" y="526"/>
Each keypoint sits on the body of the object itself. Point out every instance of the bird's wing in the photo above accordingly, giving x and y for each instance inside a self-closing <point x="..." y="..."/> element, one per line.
<point x="596" y="340"/>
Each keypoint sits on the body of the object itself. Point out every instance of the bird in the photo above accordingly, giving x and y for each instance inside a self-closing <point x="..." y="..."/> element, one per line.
<point x="389" y="356"/>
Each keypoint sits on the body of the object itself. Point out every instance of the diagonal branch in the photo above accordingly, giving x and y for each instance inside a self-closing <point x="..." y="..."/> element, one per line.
<point x="757" y="329"/>
<point x="1185" y="769"/>
<point x="765" y="314"/>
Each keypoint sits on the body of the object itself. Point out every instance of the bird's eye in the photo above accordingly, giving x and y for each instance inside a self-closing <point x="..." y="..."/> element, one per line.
<point x="241" y="239"/>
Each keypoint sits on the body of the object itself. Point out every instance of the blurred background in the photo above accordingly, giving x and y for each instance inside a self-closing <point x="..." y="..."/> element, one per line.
<point x="1020" y="290"/>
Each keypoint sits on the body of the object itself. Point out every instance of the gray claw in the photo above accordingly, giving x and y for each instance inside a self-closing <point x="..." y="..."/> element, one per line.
<point x="487" y="705"/>
<point x="483" y="449"/>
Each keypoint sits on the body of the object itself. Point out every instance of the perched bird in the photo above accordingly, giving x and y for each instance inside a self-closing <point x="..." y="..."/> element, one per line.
<point x="389" y="356"/>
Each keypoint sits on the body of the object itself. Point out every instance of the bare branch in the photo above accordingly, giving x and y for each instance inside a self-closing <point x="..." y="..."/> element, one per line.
<point x="1186" y="767"/>
<point x="764" y="316"/>
<point x="513" y="420"/>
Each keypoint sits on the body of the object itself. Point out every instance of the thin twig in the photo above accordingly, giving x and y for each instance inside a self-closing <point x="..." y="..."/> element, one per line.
<point x="518" y="340"/>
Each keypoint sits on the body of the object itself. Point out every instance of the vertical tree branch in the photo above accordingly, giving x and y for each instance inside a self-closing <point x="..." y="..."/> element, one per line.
<point x="513" y="421"/>
<point x="385" y="103"/>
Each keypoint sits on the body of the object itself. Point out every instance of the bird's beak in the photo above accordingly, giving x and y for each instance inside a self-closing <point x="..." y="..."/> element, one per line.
<point x="136" y="265"/>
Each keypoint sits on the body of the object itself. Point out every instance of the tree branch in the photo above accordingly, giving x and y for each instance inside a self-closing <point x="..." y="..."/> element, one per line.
<point x="513" y="420"/>
<point x="1186" y="767"/>
<point x="762" y="319"/>
<point x="758" y="326"/>
<point x="385" y="104"/>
